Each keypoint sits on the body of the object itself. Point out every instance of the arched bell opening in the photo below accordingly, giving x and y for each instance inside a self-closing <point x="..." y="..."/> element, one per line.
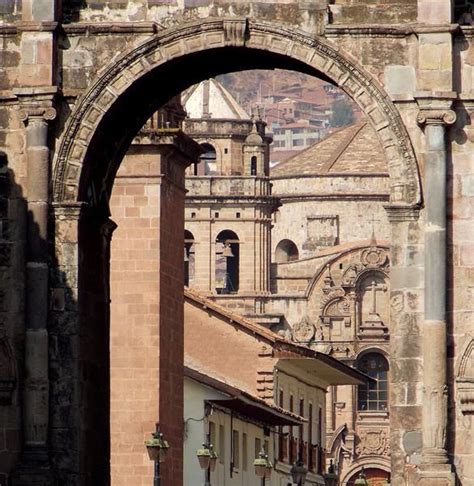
<point x="189" y="258"/>
<point x="227" y="257"/>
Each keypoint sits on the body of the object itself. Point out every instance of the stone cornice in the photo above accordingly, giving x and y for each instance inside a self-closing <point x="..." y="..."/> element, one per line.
<point x="388" y="30"/>
<point x="368" y="30"/>
<point x="68" y="210"/>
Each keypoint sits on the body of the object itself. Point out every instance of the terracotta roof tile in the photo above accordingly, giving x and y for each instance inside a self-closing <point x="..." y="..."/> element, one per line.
<point x="350" y="149"/>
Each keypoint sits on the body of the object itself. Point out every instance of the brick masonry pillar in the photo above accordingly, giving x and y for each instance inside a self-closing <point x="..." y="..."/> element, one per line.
<point x="147" y="311"/>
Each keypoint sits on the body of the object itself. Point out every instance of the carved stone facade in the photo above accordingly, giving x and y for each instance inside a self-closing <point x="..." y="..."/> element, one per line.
<point x="105" y="67"/>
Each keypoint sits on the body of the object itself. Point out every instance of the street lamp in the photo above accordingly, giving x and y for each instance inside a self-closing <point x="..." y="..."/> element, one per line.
<point x="263" y="467"/>
<point x="330" y="478"/>
<point x="361" y="480"/>
<point x="298" y="472"/>
<point x="207" y="460"/>
<point x="157" y="447"/>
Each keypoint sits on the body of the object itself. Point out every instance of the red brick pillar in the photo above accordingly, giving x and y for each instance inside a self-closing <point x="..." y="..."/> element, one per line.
<point x="147" y="310"/>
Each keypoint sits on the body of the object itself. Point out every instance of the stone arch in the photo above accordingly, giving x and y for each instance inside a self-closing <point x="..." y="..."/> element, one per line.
<point x="366" y="463"/>
<point x="265" y="45"/>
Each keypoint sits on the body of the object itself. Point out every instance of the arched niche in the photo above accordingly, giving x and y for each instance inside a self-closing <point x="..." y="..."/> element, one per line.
<point x="286" y="251"/>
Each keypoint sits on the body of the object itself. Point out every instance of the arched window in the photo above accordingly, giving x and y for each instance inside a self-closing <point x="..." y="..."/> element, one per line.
<point x="286" y="251"/>
<point x="188" y="257"/>
<point x="227" y="262"/>
<point x="253" y="166"/>
<point x="207" y="160"/>
<point x="373" y="396"/>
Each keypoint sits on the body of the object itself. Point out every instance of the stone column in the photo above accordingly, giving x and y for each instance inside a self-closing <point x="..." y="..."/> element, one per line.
<point x="34" y="467"/>
<point x="406" y="315"/>
<point x="435" y="115"/>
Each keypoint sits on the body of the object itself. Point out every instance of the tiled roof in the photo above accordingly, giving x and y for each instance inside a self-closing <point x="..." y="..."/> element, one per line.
<point x="352" y="149"/>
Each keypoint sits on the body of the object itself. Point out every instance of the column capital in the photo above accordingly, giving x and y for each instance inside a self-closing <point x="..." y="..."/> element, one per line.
<point x="436" y="117"/>
<point x="36" y="103"/>
<point x="435" y="108"/>
<point x="68" y="210"/>
<point x="399" y="213"/>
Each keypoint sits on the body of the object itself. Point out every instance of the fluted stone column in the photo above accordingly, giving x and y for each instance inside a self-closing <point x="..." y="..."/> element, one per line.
<point x="435" y="115"/>
<point x="36" y="112"/>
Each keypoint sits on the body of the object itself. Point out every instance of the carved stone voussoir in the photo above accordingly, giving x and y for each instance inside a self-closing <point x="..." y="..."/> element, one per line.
<point x="236" y="32"/>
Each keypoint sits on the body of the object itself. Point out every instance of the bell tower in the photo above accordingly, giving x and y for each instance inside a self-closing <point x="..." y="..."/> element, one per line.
<point x="229" y="205"/>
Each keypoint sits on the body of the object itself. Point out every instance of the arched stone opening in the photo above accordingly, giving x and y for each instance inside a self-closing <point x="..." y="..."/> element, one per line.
<point x="227" y="262"/>
<point x="94" y="141"/>
<point x="96" y="130"/>
<point x="286" y="251"/>
<point x="189" y="257"/>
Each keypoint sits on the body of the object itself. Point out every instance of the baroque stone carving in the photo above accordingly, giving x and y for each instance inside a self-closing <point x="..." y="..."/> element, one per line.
<point x="303" y="331"/>
<point x="373" y="442"/>
<point x="359" y="298"/>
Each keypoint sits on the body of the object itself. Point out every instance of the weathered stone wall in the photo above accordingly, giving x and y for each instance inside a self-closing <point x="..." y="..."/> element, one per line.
<point x="367" y="12"/>
<point x="347" y="207"/>
<point x="461" y="273"/>
<point x="310" y="16"/>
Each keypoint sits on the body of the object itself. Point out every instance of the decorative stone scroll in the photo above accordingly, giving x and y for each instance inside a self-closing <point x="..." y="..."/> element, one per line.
<point x="436" y="117"/>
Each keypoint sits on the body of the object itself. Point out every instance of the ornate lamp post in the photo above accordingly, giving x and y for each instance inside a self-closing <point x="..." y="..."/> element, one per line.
<point x="330" y="478"/>
<point x="157" y="447"/>
<point x="298" y="472"/>
<point x="361" y="480"/>
<point x="263" y="467"/>
<point x="207" y="460"/>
